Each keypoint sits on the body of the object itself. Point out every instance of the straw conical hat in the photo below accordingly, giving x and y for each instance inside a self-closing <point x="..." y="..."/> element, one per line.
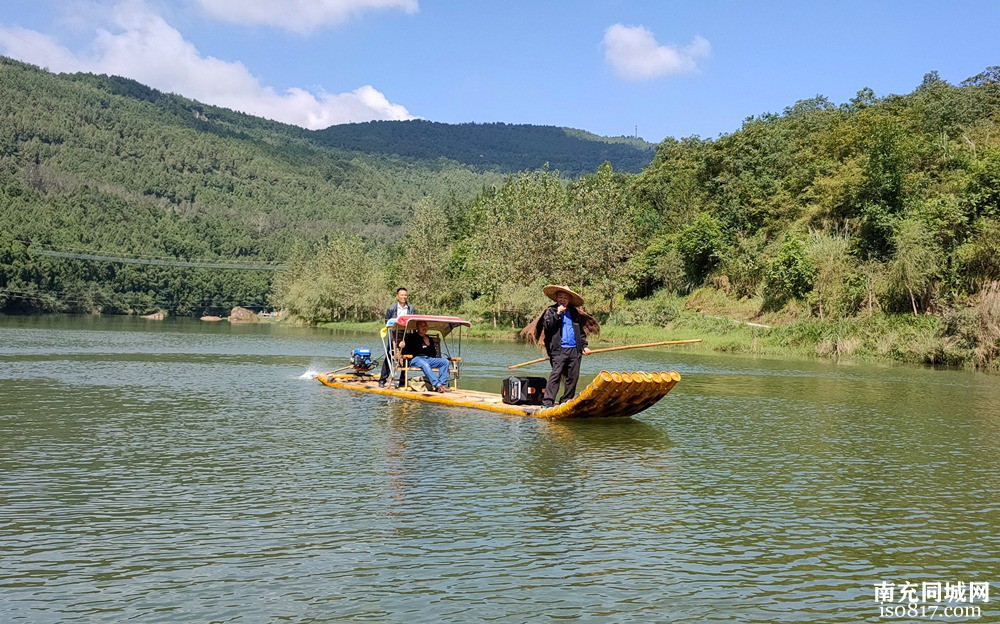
<point x="552" y="290"/>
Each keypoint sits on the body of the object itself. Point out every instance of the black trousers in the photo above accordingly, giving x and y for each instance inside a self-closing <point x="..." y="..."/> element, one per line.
<point x="384" y="375"/>
<point x="565" y="363"/>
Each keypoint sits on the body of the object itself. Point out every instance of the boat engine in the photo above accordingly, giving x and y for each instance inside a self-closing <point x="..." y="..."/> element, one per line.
<point x="361" y="360"/>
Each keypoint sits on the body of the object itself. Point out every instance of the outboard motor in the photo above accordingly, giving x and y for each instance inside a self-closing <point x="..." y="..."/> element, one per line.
<point x="361" y="360"/>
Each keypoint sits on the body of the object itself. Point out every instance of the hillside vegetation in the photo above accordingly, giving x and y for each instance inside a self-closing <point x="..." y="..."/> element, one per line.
<point x="105" y="165"/>
<point x="866" y="228"/>
<point x="870" y="227"/>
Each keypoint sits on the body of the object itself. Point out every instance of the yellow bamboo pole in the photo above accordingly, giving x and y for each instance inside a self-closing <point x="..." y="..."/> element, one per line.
<point x="607" y="349"/>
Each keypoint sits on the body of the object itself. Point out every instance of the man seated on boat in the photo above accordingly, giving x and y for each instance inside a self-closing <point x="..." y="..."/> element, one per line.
<point x="426" y="357"/>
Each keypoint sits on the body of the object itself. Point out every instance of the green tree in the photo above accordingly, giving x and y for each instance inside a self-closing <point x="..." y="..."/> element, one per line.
<point x="426" y="252"/>
<point x="516" y="236"/>
<point x="916" y="262"/>
<point x="979" y="257"/>
<point x="700" y="245"/>
<point x="345" y="281"/>
<point x="830" y="256"/>
<point x="790" y="274"/>
<point x="603" y="233"/>
<point x="743" y="265"/>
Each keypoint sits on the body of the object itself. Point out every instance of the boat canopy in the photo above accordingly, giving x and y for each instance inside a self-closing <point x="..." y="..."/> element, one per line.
<point x="442" y="324"/>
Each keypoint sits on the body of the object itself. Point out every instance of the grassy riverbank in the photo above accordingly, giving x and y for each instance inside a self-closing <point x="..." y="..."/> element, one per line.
<point x="901" y="339"/>
<point x="967" y="337"/>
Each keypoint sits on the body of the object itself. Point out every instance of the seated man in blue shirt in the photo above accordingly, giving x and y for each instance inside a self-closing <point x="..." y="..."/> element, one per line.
<point x="425" y="357"/>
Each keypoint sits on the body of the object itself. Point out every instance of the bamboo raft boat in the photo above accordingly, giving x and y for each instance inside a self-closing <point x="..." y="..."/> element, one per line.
<point x="611" y="394"/>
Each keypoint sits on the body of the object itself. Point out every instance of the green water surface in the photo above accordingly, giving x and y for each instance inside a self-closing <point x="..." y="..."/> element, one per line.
<point x="181" y="471"/>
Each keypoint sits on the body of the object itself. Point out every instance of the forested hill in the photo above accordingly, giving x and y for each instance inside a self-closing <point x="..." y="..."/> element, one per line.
<point x="189" y="161"/>
<point x="103" y="165"/>
<point x="870" y="227"/>
<point x="876" y="218"/>
<point x="507" y="148"/>
<point x="106" y="166"/>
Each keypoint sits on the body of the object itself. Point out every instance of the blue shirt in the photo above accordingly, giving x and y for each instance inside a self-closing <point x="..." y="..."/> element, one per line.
<point x="568" y="335"/>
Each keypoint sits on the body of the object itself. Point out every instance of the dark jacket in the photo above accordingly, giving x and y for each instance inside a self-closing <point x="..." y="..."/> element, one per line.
<point x="552" y="326"/>
<point x="414" y="345"/>
<point x="390" y="312"/>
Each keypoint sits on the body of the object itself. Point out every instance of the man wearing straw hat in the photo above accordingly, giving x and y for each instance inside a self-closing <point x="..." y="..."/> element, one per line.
<point x="562" y="328"/>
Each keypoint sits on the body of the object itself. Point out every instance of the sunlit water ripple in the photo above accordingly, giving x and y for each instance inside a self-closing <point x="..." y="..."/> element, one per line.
<point x="183" y="472"/>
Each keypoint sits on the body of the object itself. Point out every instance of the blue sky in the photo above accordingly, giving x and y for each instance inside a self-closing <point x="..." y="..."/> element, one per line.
<point x="612" y="67"/>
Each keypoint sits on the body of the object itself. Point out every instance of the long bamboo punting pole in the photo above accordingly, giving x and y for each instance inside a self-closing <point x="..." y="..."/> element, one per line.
<point x="605" y="350"/>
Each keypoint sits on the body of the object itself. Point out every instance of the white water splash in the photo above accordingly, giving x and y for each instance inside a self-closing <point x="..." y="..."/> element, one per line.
<point x="310" y="374"/>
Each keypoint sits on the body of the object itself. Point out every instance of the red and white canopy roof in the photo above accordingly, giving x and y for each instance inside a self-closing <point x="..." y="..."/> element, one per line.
<point x="443" y="324"/>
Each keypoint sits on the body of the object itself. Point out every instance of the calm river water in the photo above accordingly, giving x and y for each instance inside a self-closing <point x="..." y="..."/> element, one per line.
<point x="189" y="472"/>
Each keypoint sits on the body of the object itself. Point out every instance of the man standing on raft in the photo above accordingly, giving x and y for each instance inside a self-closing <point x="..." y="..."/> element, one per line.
<point x="396" y="310"/>
<point x="562" y="328"/>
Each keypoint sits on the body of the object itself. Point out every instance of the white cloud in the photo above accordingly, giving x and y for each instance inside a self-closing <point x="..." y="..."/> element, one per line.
<point x="634" y="53"/>
<point x="141" y="45"/>
<point x="34" y="47"/>
<point x="301" y="16"/>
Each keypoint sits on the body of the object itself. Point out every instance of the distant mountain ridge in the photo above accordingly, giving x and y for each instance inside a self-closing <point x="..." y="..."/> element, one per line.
<point x="492" y="146"/>
<point x="483" y="147"/>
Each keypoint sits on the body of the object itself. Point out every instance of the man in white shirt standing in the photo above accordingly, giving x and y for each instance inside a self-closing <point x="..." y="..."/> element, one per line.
<point x="396" y="310"/>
